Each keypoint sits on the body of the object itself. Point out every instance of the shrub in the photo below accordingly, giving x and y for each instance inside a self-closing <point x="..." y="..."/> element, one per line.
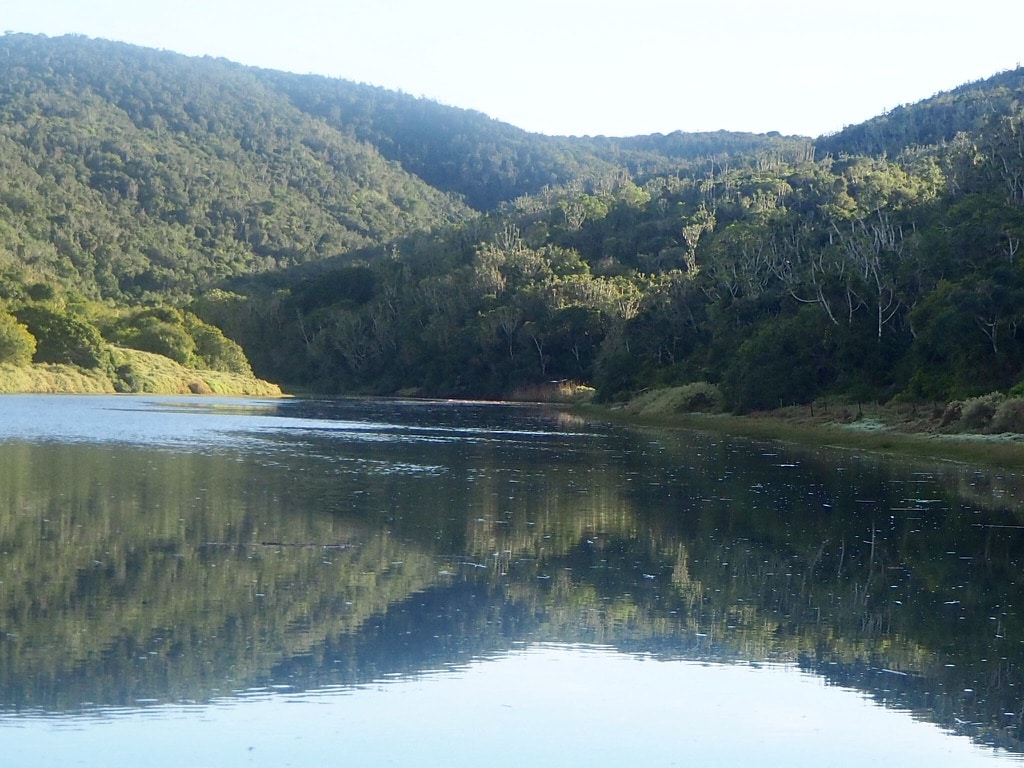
<point x="976" y="414"/>
<point x="62" y="337"/>
<point x="159" y="330"/>
<point x="1009" y="416"/>
<point x="214" y="350"/>
<point x="699" y="397"/>
<point x="952" y="413"/>
<point x="17" y="345"/>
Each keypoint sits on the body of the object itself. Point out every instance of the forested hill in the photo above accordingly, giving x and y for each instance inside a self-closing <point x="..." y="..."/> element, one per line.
<point x="134" y="173"/>
<point x="458" y="255"/>
<point x="751" y="272"/>
<point x="488" y="162"/>
<point x="967" y="110"/>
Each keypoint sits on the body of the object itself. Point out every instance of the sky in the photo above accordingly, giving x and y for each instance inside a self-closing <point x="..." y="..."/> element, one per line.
<point x="590" y="67"/>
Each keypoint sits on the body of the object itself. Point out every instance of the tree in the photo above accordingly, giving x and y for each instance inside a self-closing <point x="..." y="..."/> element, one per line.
<point x="874" y="249"/>
<point x="787" y="361"/>
<point x="214" y="350"/>
<point x="703" y="221"/>
<point x="159" y="330"/>
<point x="17" y="345"/>
<point x="62" y="337"/>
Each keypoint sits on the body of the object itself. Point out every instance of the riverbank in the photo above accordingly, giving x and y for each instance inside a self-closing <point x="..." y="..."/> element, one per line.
<point x="904" y="429"/>
<point x="131" y="372"/>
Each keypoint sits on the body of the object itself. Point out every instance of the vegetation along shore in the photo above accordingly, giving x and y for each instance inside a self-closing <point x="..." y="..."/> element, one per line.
<point x="177" y="224"/>
<point x="984" y="430"/>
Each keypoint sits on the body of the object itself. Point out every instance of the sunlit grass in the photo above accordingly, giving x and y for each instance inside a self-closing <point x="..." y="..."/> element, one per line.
<point x="131" y="371"/>
<point x="52" y="379"/>
<point x="698" y="397"/>
<point x="155" y="374"/>
<point x="553" y="392"/>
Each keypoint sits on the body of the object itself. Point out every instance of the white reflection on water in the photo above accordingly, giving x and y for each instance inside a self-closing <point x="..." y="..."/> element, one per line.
<point x="151" y="421"/>
<point x="172" y="421"/>
<point x="597" y="707"/>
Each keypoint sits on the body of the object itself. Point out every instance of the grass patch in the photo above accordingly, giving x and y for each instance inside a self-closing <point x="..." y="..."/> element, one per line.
<point x="51" y="379"/>
<point x="145" y="372"/>
<point x="698" y="397"/>
<point x="131" y="371"/>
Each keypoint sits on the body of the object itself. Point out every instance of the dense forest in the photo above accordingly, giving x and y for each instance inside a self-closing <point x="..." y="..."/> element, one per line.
<point x="343" y="238"/>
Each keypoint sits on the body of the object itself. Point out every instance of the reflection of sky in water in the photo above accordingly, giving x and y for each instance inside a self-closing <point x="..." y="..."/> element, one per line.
<point x="267" y="431"/>
<point x="167" y="421"/>
<point x="544" y="706"/>
<point x="157" y="421"/>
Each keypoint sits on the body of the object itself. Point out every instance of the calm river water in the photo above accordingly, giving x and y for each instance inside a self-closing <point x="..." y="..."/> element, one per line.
<point x="360" y="582"/>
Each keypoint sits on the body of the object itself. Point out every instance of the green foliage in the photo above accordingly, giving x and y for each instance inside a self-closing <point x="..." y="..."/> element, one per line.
<point x="976" y="414"/>
<point x="780" y="286"/>
<point x="180" y="336"/>
<point x="700" y="397"/>
<point x="318" y="225"/>
<point x="62" y="337"/>
<point x="17" y="344"/>
<point x="213" y="350"/>
<point x="158" y="330"/>
<point x="139" y="371"/>
<point x="786" y="361"/>
<point x="117" y="185"/>
<point x="936" y="121"/>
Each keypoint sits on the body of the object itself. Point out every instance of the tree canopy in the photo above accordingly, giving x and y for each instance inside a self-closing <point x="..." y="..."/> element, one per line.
<point x="346" y="238"/>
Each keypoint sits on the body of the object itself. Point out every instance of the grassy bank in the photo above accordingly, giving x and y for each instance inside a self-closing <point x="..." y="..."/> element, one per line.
<point x="131" y="371"/>
<point x="52" y="379"/>
<point x="905" y="429"/>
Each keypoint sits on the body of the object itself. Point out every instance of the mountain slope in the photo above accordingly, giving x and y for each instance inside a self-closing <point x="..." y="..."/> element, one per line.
<point x="935" y="120"/>
<point x="749" y="270"/>
<point x="753" y="276"/>
<point x="489" y="162"/>
<point x="130" y="172"/>
<point x="133" y="173"/>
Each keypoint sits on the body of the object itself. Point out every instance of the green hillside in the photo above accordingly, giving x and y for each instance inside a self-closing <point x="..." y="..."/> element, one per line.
<point x="969" y="109"/>
<point x="353" y="239"/>
<point x="136" y="174"/>
<point x="488" y="162"/>
<point x="761" y="271"/>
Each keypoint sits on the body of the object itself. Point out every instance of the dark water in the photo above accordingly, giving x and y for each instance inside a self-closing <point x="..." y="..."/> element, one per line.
<point x="233" y="582"/>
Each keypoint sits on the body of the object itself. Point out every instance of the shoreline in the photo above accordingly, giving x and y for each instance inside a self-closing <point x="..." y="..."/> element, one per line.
<point x="897" y="430"/>
<point x="137" y="373"/>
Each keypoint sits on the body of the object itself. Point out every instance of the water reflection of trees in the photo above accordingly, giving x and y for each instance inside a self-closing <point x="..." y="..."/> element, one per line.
<point x="135" y="574"/>
<point x="870" y="573"/>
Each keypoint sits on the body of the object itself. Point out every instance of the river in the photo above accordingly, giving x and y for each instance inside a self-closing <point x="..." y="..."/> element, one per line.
<point x="231" y="582"/>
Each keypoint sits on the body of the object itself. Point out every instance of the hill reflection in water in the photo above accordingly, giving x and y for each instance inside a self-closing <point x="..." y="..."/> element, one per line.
<point x="292" y="556"/>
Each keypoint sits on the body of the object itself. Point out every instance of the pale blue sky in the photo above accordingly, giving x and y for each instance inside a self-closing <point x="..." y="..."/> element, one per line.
<point x="590" y="66"/>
